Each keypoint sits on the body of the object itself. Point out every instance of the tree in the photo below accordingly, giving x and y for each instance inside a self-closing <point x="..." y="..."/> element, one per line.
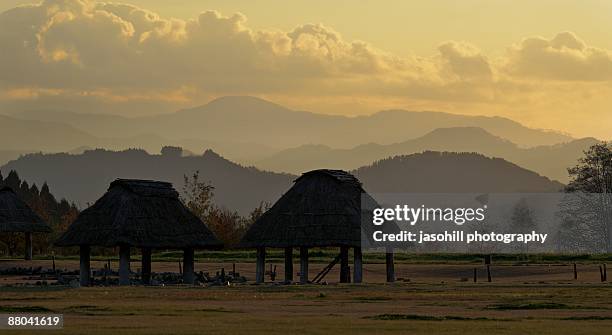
<point x="226" y="224"/>
<point x="591" y="187"/>
<point x="522" y="221"/>
<point x="593" y="173"/>
<point x="198" y="196"/>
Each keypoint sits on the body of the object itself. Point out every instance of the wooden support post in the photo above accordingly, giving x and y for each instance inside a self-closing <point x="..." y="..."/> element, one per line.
<point x="85" y="268"/>
<point x="28" y="246"/>
<point x="260" y="267"/>
<point x="124" y="264"/>
<point x="188" y="273"/>
<point x="601" y="275"/>
<point x="304" y="265"/>
<point x="357" y="265"/>
<point x="605" y="269"/>
<point x="475" y="275"/>
<point x="53" y="259"/>
<point x="344" y="265"/>
<point x="390" y="266"/>
<point x="288" y="264"/>
<point x="575" y="272"/>
<point x="146" y="266"/>
<point x="489" y="273"/>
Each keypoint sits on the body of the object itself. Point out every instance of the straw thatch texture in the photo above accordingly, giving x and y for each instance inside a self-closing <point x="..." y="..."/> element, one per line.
<point x="139" y="213"/>
<point x="17" y="216"/>
<point x="322" y="209"/>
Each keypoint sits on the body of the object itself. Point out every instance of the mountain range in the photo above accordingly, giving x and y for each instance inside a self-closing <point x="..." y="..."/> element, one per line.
<point x="83" y="178"/>
<point x="252" y="131"/>
<point x="253" y="120"/>
<point x="550" y="160"/>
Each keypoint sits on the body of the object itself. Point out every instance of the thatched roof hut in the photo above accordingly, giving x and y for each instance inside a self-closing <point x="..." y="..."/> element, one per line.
<point x="139" y="213"/>
<point x="322" y="209"/>
<point x="17" y="217"/>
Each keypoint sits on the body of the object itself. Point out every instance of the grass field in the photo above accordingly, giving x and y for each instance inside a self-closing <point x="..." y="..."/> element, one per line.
<point x="433" y="298"/>
<point x="342" y="309"/>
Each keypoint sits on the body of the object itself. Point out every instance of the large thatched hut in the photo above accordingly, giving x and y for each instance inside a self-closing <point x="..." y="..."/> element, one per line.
<point x="17" y="217"/>
<point x="141" y="214"/>
<point x="322" y="209"/>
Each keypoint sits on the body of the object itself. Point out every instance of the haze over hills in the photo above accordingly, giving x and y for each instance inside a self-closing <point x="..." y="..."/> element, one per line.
<point x="26" y="135"/>
<point x="253" y="120"/>
<point x="84" y="177"/>
<point x="249" y="130"/>
<point x="551" y="161"/>
<point x="32" y="135"/>
<point x="446" y="172"/>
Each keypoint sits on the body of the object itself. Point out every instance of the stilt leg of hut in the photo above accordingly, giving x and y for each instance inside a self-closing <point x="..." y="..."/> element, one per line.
<point x="260" y="269"/>
<point x="390" y="266"/>
<point x="124" y="265"/>
<point x="303" y="265"/>
<point x="28" y="246"/>
<point x="85" y="268"/>
<point x="288" y="264"/>
<point x="344" y="266"/>
<point x="188" y="274"/>
<point x="357" y="265"/>
<point x="146" y="266"/>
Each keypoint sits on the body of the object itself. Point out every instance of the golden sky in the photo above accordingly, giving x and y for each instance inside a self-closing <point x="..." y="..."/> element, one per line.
<point x="547" y="64"/>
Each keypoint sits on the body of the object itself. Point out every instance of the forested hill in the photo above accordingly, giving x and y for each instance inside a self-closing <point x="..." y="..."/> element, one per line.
<point x="448" y="172"/>
<point x="85" y="177"/>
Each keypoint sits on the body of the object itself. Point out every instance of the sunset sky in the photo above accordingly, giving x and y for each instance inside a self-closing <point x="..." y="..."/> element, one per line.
<point x="547" y="64"/>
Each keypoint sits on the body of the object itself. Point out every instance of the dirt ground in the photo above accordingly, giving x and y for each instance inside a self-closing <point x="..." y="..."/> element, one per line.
<point x="373" y="273"/>
<point x="535" y="299"/>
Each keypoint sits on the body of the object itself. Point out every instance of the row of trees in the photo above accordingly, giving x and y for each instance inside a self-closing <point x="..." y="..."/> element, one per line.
<point x="58" y="214"/>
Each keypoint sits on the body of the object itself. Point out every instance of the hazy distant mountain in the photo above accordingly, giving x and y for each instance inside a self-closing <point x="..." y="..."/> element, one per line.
<point x="436" y="172"/>
<point x="28" y="135"/>
<point x="84" y="178"/>
<point x="52" y="131"/>
<point x="253" y="120"/>
<point x="551" y="161"/>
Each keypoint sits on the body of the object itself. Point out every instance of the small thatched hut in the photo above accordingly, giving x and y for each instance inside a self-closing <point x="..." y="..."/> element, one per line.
<point x="17" y="217"/>
<point x="322" y="209"/>
<point x="142" y="214"/>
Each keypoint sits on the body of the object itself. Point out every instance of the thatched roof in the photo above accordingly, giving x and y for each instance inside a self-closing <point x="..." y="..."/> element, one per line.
<point x="16" y="216"/>
<point x="323" y="208"/>
<point x="140" y="213"/>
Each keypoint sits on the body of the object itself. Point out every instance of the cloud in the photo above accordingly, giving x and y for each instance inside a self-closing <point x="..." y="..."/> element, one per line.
<point x="564" y="57"/>
<point x="91" y="46"/>
<point x="465" y="61"/>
